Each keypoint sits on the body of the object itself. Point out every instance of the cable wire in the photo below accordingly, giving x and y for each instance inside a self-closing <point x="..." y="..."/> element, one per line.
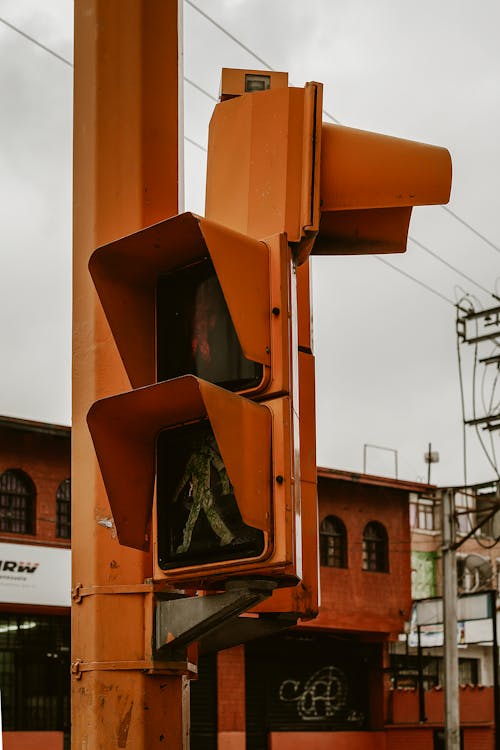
<point x="469" y="226"/>
<point x="327" y="114"/>
<point x="490" y="460"/>
<point x="453" y="268"/>
<point x="462" y="402"/>
<point x="195" y="143"/>
<point x="244" y="47"/>
<point x="35" y="41"/>
<point x="417" y="281"/>
<point x="228" y="34"/>
<point x="200" y="88"/>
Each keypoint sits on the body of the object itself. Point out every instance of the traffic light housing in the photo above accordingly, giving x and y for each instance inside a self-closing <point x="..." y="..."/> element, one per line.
<point x="210" y="418"/>
<point x="211" y="455"/>
<point x="273" y="166"/>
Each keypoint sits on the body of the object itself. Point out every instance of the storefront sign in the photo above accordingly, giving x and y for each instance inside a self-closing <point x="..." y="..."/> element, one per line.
<point x="32" y="574"/>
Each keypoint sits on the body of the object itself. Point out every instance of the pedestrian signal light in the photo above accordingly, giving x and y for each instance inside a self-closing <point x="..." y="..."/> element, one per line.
<point x="204" y="446"/>
<point x="189" y="296"/>
<point x="199" y="520"/>
<point x="195" y="331"/>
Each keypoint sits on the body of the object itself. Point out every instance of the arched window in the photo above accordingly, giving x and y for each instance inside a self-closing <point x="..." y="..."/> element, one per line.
<point x="333" y="543"/>
<point x="17" y="502"/>
<point x="63" y="510"/>
<point x="375" y="548"/>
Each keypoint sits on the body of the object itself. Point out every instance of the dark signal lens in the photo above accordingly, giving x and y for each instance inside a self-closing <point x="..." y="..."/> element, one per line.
<point x="195" y="333"/>
<point x="199" y="521"/>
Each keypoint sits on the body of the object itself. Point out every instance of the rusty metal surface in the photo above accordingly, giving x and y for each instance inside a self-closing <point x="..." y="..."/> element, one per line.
<point x="180" y="621"/>
<point x="125" y="177"/>
<point x="303" y="600"/>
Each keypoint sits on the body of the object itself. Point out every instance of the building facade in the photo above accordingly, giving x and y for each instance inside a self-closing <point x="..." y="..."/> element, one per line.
<point x="325" y="682"/>
<point x="347" y="679"/>
<point x="35" y="533"/>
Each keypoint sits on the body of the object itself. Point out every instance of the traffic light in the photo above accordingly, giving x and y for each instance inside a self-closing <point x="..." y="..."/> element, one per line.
<point x="211" y="455"/>
<point x="273" y="166"/>
<point x="204" y="321"/>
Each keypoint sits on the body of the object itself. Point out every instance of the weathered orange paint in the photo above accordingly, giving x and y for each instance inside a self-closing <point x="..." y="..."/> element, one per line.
<point x="369" y="184"/>
<point x="303" y="599"/>
<point x="124" y="427"/>
<point x="126" y="271"/>
<point x="333" y="190"/>
<point x="288" y="198"/>
<point x="33" y="740"/>
<point x="362" y="170"/>
<point x="261" y="179"/>
<point x="304" y="308"/>
<point x="327" y="740"/>
<point x="125" y="177"/>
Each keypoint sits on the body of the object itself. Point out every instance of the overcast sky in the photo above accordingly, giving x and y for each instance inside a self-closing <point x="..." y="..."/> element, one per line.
<point x="387" y="370"/>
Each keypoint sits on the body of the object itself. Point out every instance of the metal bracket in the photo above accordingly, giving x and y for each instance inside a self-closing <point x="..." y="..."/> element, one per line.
<point x="79" y="590"/>
<point x="181" y="621"/>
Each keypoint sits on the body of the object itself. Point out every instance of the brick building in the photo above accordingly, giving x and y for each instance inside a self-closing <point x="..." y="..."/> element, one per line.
<point x="325" y="680"/>
<point x="35" y="531"/>
<point x="478" y="567"/>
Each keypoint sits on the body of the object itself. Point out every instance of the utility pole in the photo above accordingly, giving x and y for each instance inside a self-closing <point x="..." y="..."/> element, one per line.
<point x="452" y="713"/>
<point x="126" y="166"/>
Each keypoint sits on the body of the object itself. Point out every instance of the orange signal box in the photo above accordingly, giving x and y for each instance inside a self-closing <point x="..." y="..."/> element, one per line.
<point x="273" y="166"/>
<point x="211" y="416"/>
<point x="212" y="320"/>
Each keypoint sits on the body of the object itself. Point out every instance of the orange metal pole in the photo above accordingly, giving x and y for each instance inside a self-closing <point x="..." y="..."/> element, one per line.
<point x="126" y="165"/>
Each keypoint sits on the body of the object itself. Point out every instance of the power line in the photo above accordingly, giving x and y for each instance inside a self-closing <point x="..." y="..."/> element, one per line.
<point x="35" y="41"/>
<point x="228" y="34"/>
<point x="417" y="281"/>
<point x="327" y="114"/>
<point x="244" y="47"/>
<point x="203" y="91"/>
<point x="449" y="265"/>
<point x="195" y="143"/>
<point x="469" y="226"/>
<point x="200" y="88"/>
<point x="213" y="98"/>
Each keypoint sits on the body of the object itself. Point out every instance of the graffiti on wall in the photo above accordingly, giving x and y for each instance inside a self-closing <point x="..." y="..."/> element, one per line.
<point x="323" y="696"/>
